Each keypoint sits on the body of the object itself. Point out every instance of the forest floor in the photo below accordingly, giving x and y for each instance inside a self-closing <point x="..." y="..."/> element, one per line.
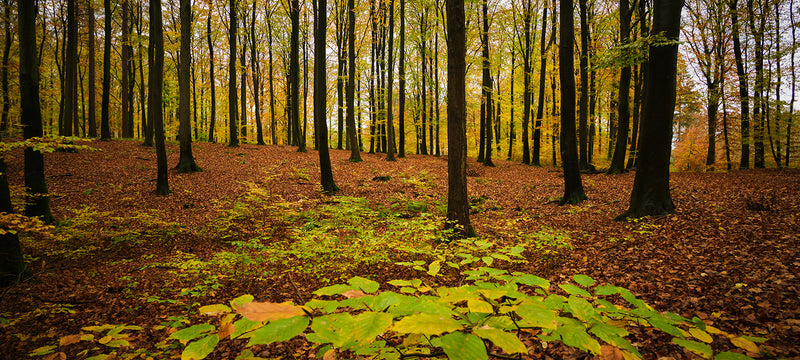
<point x="252" y="223"/>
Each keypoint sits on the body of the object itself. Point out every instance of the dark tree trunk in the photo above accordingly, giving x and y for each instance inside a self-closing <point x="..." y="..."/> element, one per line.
<point x="512" y="136"/>
<point x="5" y="125"/>
<point x="243" y="88"/>
<point x="438" y="150"/>
<point x="352" y="136"/>
<point x="537" y="132"/>
<point x="423" y="143"/>
<point x="154" y="96"/>
<point x="527" y="54"/>
<point x="233" y="104"/>
<point x="341" y="41"/>
<point x="651" y="195"/>
<point x="92" y="120"/>
<point x="105" y="131"/>
<point x="457" y="204"/>
<point x="256" y="77"/>
<point x="402" y="82"/>
<point x="125" y="84"/>
<point x="12" y="263"/>
<point x="758" y="88"/>
<point x="487" y="91"/>
<point x="147" y="126"/>
<point x="744" y="160"/>
<point x="794" y="87"/>
<point x="37" y="202"/>
<point x="186" y="162"/>
<point x="294" y="76"/>
<point x="213" y="118"/>
<point x="583" y="118"/>
<point x="273" y="124"/>
<point x="623" y="104"/>
<point x="69" y="106"/>
<point x="573" y="187"/>
<point x="320" y="99"/>
<point x="391" y="146"/>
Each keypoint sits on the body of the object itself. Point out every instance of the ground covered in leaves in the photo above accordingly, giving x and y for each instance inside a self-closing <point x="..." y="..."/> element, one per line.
<point x="254" y="222"/>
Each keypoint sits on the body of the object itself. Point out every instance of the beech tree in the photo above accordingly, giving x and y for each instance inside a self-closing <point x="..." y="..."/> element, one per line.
<point x="651" y="194"/>
<point x="154" y="96"/>
<point x="457" y="204"/>
<point x="5" y="124"/>
<point x="105" y="130"/>
<point x="623" y="104"/>
<point x="233" y="104"/>
<point x="320" y="98"/>
<point x="186" y="163"/>
<point x="69" y="107"/>
<point x="352" y="137"/>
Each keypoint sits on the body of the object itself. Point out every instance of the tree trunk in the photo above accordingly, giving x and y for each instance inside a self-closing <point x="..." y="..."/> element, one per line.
<point x="744" y="160"/>
<point x="320" y="99"/>
<point x="651" y="195"/>
<point x="573" y="187"/>
<point x="92" y="71"/>
<point x="623" y="104"/>
<point x="12" y="263"/>
<point x="233" y="104"/>
<point x="457" y="204"/>
<point x="243" y="88"/>
<point x="391" y="147"/>
<point x="256" y="67"/>
<point x="341" y="50"/>
<point x="154" y="96"/>
<point x="583" y="118"/>
<point x="5" y="125"/>
<point x="423" y="146"/>
<point x="794" y="87"/>
<point x="37" y="202"/>
<point x="273" y="124"/>
<point x="105" y="131"/>
<point x="527" y="54"/>
<point x="401" y="116"/>
<point x="512" y="136"/>
<point x="294" y="75"/>
<point x="147" y="126"/>
<point x="487" y="90"/>
<point x="69" y="106"/>
<point x="125" y="60"/>
<point x="537" y="126"/>
<point x="213" y="118"/>
<point x="758" y="88"/>
<point x="186" y="163"/>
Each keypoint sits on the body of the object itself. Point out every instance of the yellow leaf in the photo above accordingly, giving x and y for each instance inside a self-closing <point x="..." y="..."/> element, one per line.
<point x="701" y="335"/>
<point x="267" y="311"/>
<point x="745" y="344"/>
<point x="714" y="330"/>
<point x="105" y="339"/>
<point x="55" y="356"/>
<point x="329" y="355"/>
<point x="479" y="306"/>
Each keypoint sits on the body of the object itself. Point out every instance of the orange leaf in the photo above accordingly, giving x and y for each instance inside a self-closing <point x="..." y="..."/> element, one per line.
<point x="267" y="311"/>
<point x="55" y="356"/>
<point x="608" y="352"/>
<point x="69" y="340"/>
<point x="353" y="294"/>
<point x="329" y="355"/>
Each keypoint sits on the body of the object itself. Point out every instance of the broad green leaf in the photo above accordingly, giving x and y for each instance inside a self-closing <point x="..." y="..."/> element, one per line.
<point x="609" y="333"/>
<point x="366" y="285"/>
<point x="664" y="326"/>
<point x="554" y="302"/>
<point x="400" y="283"/>
<point x="118" y="343"/>
<point x="755" y="339"/>
<point x="581" y="308"/>
<point x="191" y="332"/>
<point x="536" y="315"/>
<point x="746" y="344"/>
<point x="573" y="333"/>
<point x="267" y="311"/>
<point x="327" y="306"/>
<point x="583" y="280"/>
<point x="574" y="290"/>
<point x="694" y="346"/>
<point x="479" y="306"/>
<point x="244" y="325"/>
<point x="461" y="346"/>
<point x="488" y="260"/>
<point x="279" y="330"/>
<point x="244" y="299"/>
<point x="368" y="325"/>
<point x="458" y="294"/>
<point x="422" y="306"/>
<point x="426" y="324"/>
<point x="606" y="290"/>
<point x="434" y="267"/>
<point x="214" y="309"/>
<point x="629" y="297"/>
<point x="730" y="355"/>
<point x="701" y="335"/>
<point x="387" y="299"/>
<point x="44" y="350"/>
<point x="532" y="280"/>
<point x="200" y="348"/>
<point x="504" y="340"/>
<point x="501" y="257"/>
<point x="333" y="290"/>
<point x="330" y="329"/>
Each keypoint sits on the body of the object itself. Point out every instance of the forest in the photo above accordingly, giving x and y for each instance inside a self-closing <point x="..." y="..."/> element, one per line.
<point x="504" y="179"/>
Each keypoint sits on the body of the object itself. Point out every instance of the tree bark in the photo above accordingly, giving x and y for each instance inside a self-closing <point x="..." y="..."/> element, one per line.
<point x="401" y="116"/>
<point x="352" y="136"/>
<point x="125" y="84"/>
<point x="457" y="204"/>
<point x="105" y="131"/>
<point x="233" y="104"/>
<point x="154" y="96"/>
<point x="487" y="91"/>
<point x="5" y="125"/>
<point x="573" y="187"/>
<point x="92" y="70"/>
<point x="69" y="107"/>
<point x="391" y="146"/>
<point x="651" y="194"/>
<point x="213" y="117"/>
<point x="256" y="67"/>
<point x="294" y="75"/>
<point x="320" y="99"/>
<point x="583" y="118"/>
<point x="744" y="160"/>
<point x="186" y="163"/>
<point x="623" y="104"/>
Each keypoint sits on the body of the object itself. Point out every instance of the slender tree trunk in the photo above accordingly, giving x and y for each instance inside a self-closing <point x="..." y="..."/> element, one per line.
<point x="154" y="97"/>
<point x="320" y="99"/>
<point x="243" y="88"/>
<point x="573" y="187"/>
<point x="583" y="118"/>
<point x="186" y="163"/>
<point x="70" y="71"/>
<point x="37" y="201"/>
<point x="233" y="105"/>
<point x="744" y="161"/>
<point x="273" y="124"/>
<point x="423" y="146"/>
<point x="758" y="89"/>
<point x="105" y="132"/>
<point x="457" y="204"/>
<point x="212" y="80"/>
<point x="294" y="75"/>
<point x="92" y="118"/>
<point x="5" y="125"/>
<point x="651" y="194"/>
<point x="341" y="46"/>
<point x="256" y="67"/>
<point x="487" y="89"/>
<point x="438" y="151"/>
<point x="352" y="137"/>
<point x="537" y="127"/>
<point x="512" y="135"/>
<point x="125" y="60"/>
<point x="794" y="87"/>
<point x="147" y="126"/>
<point x="402" y="82"/>
<point x="623" y="105"/>
<point x="527" y="55"/>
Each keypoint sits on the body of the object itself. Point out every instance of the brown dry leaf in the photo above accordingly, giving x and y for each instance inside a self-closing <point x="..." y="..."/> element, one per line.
<point x="55" y="356"/>
<point x="267" y="311"/>
<point x="225" y="330"/>
<point x="69" y="340"/>
<point x="329" y="355"/>
<point x="350" y="294"/>
<point x="608" y="352"/>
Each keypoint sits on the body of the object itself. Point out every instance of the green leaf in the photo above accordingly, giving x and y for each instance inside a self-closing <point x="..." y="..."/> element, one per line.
<point x="461" y="346"/>
<point x="279" y="330"/>
<point x="730" y="355"/>
<point x="427" y="324"/>
<point x="327" y="306"/>
<point x="366" y="285"/>
<point x="506" y="341"/>
<point x="701" y="335"/>
<point x="329" y="329"/>
<point x="606" y="290"/>
<point x="583" y="280"/>
<point x="581" y="308"/>
<point x="44" y="350"/>
<point x="400" y="283"/>
<point x="574" y="290"/>
<point x="214" y="309"/>
<point x="479" y="306"/>
<point x="573" y="333"/>
<point x="665" y="327"/>
<point x="488" y="260"/>
<point x="244" y="325"/>
<point x="200" y="348"/>
<point x="191" y="332"/>
<point x="333" y="290"/>
<point x="434" y="268"/>
<point x="241" y="300"/>
<point x="694" y="346"/>
<point x="536" y="315"/>
<point x="368" y="325"/>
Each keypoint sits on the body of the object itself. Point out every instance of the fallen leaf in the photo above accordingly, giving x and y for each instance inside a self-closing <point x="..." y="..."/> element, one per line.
<point x="267" y="311"/>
